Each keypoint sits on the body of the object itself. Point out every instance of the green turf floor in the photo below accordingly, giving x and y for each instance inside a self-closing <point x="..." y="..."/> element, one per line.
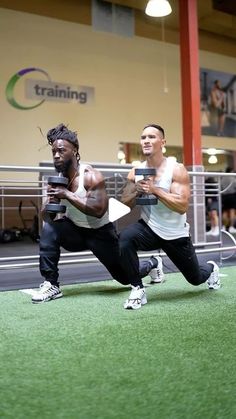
<point x="84" y="356"/>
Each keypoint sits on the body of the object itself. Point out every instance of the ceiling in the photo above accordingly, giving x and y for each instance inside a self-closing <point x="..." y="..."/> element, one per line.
<point x="216" y="19"/>
<point x="214" y="16"/>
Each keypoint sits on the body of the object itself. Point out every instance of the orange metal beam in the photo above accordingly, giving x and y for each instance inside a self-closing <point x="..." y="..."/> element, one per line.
<point x="189" y="51"/>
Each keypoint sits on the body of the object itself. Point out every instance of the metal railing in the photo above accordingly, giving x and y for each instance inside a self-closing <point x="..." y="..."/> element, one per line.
<point x="115" y="178"/>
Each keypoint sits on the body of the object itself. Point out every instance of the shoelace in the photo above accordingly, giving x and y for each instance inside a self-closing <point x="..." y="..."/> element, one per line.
<point x="45" y="288"/>
<point x="44" y="285"/>
<point x="135" y="295"/>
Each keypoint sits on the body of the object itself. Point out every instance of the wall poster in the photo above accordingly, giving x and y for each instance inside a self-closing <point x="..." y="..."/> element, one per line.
<point x="218" y="103"/>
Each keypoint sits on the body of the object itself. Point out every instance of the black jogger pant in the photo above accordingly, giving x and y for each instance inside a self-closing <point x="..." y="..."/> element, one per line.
<point x="139" y="236"/>
<point x="103" y="242"/>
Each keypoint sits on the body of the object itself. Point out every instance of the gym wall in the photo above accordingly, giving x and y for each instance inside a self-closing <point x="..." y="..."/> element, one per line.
<point x="127" y="75"/>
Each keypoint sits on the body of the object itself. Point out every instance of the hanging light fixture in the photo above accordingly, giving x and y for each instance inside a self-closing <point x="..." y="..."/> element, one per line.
<point x="158" y="8"/>
<point x="212" y="159"/>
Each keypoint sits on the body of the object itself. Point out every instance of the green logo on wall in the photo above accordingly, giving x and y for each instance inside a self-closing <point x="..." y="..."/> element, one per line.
<point x="11" y="86"/>
<point x="47" y="90"/>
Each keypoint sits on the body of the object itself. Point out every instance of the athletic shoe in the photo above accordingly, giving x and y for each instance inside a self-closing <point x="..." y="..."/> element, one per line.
<point x="232" y="230"/>
<point x="157" y="274"/>
<point x="136" y="299"/>
<point x="215" y="231"/>
<point x="47" y="292"/>
<point x="213" y="281"/>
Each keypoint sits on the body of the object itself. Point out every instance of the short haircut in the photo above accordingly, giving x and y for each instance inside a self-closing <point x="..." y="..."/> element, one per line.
<point x="157" y="127"/>
<point x="61" y="132"/>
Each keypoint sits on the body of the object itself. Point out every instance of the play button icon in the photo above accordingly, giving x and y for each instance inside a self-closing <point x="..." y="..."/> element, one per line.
<point x="116" y="209"/>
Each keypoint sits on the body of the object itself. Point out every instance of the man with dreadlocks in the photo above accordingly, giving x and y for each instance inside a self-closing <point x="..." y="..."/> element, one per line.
<point x="85" y="226"/>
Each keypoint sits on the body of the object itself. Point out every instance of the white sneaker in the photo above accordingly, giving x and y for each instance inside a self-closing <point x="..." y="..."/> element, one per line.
<point x="157" y="274"/>
<point x="136" y="299"/>
<point x="47" y="292"/>
<point x="214" y="231"/>
<point x="232" y="230"/>
<point x="213" y="281"/>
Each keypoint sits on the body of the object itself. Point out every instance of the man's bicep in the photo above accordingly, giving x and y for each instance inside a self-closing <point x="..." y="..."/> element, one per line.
<point x="181" y="182"/>
<point x="95" y="181"/>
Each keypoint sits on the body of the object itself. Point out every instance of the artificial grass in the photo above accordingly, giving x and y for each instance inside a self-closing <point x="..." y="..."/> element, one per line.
<point x="84" y="356"/>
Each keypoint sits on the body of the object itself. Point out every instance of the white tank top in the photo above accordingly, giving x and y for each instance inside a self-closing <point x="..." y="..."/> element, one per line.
<point x="165" y="222"/>
<point x="78" y="217"/>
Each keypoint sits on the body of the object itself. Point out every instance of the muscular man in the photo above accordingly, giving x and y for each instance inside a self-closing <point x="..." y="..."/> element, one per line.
<point x="85" y="226"/>
<point x="161" y="226"/>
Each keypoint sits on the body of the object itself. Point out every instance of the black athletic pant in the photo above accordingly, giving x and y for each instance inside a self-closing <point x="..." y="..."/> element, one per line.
<point x="103" y="242"/>
<point x="139" y="236"/>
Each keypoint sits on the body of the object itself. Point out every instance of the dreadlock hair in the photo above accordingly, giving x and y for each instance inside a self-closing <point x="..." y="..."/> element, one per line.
<point x="61" y="132"/>
<point x="157" y="127"/>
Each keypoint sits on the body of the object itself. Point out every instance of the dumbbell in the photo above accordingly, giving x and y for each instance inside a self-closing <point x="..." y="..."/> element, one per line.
<point x="55" y="206"/>
<point x="146" y="199"/>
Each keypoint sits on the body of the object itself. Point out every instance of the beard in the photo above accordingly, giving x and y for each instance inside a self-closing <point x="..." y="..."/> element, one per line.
<point x="63" y="166"/>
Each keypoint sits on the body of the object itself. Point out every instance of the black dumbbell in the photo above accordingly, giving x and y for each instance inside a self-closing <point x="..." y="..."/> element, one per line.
<point x="55" y="206"/>
<point x="146" y="199"/>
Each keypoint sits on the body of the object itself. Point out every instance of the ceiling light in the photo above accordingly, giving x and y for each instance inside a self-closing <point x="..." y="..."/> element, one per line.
<point x="211" y="151"/>
<point x="212" y="159"/>
<point x="121" y="155"/>
<point x="158" y="8"/>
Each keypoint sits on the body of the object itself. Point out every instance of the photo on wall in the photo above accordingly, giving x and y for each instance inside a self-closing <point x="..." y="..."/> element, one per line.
<point x="218" y="103"/>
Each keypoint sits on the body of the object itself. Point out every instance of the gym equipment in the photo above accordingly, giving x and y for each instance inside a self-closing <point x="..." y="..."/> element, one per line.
<point x="30" y="225"/>
<point x="8" y="235"/>
<point x="146" y="199"/>
<point x="54" y="205"/>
